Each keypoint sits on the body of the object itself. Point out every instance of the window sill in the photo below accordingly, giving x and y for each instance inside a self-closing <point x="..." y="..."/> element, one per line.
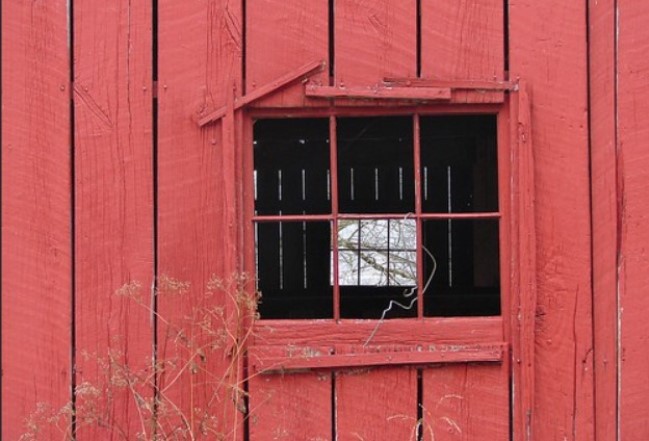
<point x="289" y="345"/>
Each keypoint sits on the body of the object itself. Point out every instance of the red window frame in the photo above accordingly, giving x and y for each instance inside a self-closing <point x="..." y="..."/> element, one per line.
<point x="479" y="338"/>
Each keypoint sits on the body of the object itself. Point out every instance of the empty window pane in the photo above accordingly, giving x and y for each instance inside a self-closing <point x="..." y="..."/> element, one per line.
<point x="461" y="259"/>
<point x="459" y="164"/>
<point x="375" y="165"/>
<point x="291" y="159"/>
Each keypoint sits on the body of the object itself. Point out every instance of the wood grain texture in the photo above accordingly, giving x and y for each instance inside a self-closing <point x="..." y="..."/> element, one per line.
<point x="283" y="35"/>
<point x="457" y="330"/>
<point x="114" y="213"/>
<point x="277" y="358"/>
<point x="376" y="404"/>
<point x="36" y="216"/>
<point x="603" y="133"/>
<point x="374" y="39"/>
<point x="467" y="402"/>
<point x="526" y="302"/>
<point x="199" y="68"/>
<point x="548" y="49"/>
<point x="633" y="186"/>
<point x="463" y="40"/>
<point x="290" y="407"/>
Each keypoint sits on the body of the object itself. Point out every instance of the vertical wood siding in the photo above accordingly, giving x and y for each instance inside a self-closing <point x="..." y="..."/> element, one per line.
<point x="36" y="213"/>
<point x="463" y="40"/>
<point x="603" y="132"/>
<point x="200" y="63"/>
<point x="293" y="406"/>
<point x="374" y="40"/>
<point x="282" y="36"/>
<point x="633" y="186"/>
<point x="104" y="217"/>
<point x="113" y="159"/>
<point x="548" y="49"/>
<point x="357" y="395"/>
<point x="470" y="402"/>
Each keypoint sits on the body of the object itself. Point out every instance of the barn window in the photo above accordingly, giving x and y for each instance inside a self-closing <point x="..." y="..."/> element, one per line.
<point x="362" y="217"/>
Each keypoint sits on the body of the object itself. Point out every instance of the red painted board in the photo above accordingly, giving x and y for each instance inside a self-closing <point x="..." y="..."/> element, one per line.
<point x="547" y="42"/>
<point x="603" y="134"/>
<point x="376" y="404"/>
<point x="523" y="343"/>
<point x="455" y="331"/>
<point x="199" y="66"/>
<point x="282" y="35"/>
<point x="463" y="40"/>
<point x="36" y="217"/>
<point x="290" y="407"/>
<point x="633" y="186"/>
<point x="468" y="402"/>
<point x="374" y="39"/>
<point x="113" y="216"/>
<point x="276" y="358"/>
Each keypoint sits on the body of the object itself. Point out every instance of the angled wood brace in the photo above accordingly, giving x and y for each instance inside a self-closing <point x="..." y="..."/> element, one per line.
<point x="301" y="72"/>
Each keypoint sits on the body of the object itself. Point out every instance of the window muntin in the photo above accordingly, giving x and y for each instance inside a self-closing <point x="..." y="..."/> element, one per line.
<point x="331" y="194"/>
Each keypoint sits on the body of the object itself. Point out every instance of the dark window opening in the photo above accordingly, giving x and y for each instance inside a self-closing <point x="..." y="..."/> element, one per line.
<point x="375" y="165"/>
<point x="377" y="257"/>
<point x="291" y="158"/>
<point x="292" y="177"/>
<point x="461" y="256"/>
<point x="348" y="237"/>
<point x="460" y="175"/>
<point x="459" y="164"/>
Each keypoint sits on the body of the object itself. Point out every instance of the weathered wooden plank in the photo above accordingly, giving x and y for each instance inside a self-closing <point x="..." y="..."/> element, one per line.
<point x="282" y="35"/>
<point x="467" y="402"/>
<point x="475" y="85"/>
<point x="633" y="187"/>
<point x="36" y="218"/>
<point x="273" y="358"/>
<point x="270" y="88"/>
<point x="457" y="330"/>
<point x="548" y="49"/>
<point x="382" y="93"/>
<point x="288" y="407"/>
<point x="376" y="404"/>
<point x="373" y="40"/>
<point x="199" y="67"/>
<point x="463" y="40"/>
<point x="604" y="202"/>
<point x="525" y="208"/>
<point x="114" y="215"/>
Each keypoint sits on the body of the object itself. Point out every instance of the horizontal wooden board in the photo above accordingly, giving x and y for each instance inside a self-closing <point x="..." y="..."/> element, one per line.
<point x="457" y="330"/>
<point x="284" y="358"/>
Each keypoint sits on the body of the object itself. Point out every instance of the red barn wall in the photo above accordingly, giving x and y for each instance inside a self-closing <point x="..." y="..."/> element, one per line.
<point x="109" y="184"/>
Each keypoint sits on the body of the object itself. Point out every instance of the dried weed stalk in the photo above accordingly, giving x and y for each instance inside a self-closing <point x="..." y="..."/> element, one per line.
<point x="191" y="389"/>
